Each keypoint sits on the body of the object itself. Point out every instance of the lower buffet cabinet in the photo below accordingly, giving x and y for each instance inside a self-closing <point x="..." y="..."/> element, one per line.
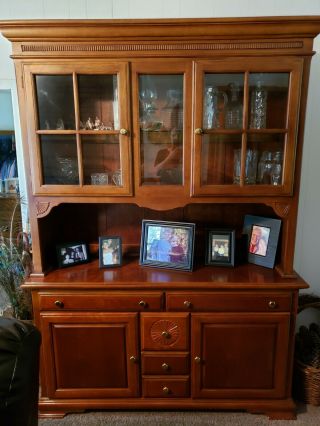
<point x="171" y="349"/>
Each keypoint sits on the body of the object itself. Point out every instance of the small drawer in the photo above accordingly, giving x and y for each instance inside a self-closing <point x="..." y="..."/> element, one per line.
<point x="163" y="331"/>
<point x="97" y="301"/>
<point x="226" y="302"/>
<point x="155" y="363"/>
<point x="157" y="387"/>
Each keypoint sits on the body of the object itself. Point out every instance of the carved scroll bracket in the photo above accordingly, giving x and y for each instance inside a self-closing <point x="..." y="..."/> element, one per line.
<point x="44" y="208"/>
<point x="281" y="209"/>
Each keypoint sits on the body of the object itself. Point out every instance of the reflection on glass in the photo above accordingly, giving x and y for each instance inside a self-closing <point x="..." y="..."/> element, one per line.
<point x="59" y="160"/>
<point x="101" y="160"/>
<point x="161" y="129"/>
<point x="222" y="101"/>
<point x="98" y="102"/>
<point x="217" y="158"/>
<point x="55" y="102"/>
<point x="270" y="148"/>
<point x="268" y="96"/>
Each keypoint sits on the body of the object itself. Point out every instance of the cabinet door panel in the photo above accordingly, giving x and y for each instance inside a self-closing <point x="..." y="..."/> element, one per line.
<point x="88" y="355"/>
<point x="240" y="355"/>
<point x="243" y="121"/>
<point x="78" y="124"/>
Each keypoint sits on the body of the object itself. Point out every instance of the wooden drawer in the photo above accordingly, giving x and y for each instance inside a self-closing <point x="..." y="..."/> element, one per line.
<point x="158" y="387"/>
<point x="98" y="301"/>
<point x="163" y="331"/>
<point x="226" y="302"/>
<point x="155" y="363"/>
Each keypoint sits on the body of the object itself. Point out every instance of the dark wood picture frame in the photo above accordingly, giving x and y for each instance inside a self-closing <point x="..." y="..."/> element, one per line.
<point x="263" y="235"/>
<point x="110" y="251"/>
<point x="167" y="244"/>
<point x="70" y="254"/>
<point x="220" y="247"/>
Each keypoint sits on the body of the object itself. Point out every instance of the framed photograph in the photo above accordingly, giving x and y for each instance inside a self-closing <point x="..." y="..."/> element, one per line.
<point x="110" y="252"/>
<point x="11" y="185"/>
<point x="70" y="254"/>
<point x="220" y="248"/>
<point x="263" y="236"/>
<point x="167" y="244"/>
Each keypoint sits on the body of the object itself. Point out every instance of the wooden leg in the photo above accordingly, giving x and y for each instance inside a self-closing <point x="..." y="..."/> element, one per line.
<point x="282" y="415"/>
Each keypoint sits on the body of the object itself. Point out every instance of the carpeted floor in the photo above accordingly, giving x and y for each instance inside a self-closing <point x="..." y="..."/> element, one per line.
<point x="307" y="415"/>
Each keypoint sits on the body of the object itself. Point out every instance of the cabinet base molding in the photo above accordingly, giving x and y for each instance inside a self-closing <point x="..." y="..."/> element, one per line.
<point x="276" y="410"/>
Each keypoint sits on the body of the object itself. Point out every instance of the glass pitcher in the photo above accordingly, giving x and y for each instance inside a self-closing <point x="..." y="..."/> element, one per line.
<point x="215" y="102"/>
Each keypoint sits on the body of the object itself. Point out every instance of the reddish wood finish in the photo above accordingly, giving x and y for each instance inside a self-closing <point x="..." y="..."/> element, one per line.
<point x="165" y="387"/>
<point x="158" y="363"/>
<point x="241" y="337"/>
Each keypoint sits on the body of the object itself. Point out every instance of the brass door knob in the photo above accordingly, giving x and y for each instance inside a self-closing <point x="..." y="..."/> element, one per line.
<point x="59" y="304"/>
<point x="143" y="304"/>
<point x="197" y="359"/>
<point x="123" y="132"/>
<point x="187" y="304"/>
<point x="165" y="366"/>
<point x="272" y="304"/>
<point x="166" y="334"/>
<point x="165" y="390"/>
<point x="133" y="359"/>
<point x="198" y="131"/>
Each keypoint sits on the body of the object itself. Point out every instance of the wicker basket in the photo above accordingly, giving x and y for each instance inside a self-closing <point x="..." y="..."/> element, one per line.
<point x="306" y="378"/>
<point x="307" y="383"/>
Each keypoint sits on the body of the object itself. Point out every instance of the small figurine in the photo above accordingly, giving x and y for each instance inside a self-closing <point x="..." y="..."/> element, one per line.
<point x="89" y="124"/>
<point x="60" y="124"/>
<point x="98" y="125"/>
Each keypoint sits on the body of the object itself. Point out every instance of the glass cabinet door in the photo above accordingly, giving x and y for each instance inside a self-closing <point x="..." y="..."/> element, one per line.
<point x="160" y="94"/>
<point x="245" y="134"/>
<point x="82" y="131"/>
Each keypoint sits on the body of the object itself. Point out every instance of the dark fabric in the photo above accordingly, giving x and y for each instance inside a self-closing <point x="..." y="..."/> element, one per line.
<point x="19" y="372"/>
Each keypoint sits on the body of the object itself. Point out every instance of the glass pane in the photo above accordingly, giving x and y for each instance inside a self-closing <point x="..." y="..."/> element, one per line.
<point x="266" y="154"/>
<point x="98" y="102"/>
<point x="161" y="129"/>
<point x="218" y="159"/>
<point x="59" y="159"/>
<point x="101" y="160"/>
<point x="55" y="102"/>
<point x="223" y="101"/>
<point x="268" y="94"/>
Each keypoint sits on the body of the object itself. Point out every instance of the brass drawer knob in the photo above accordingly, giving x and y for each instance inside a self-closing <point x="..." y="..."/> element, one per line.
<point x="187" y="304"/>
<point x="123" y="132"/>
<point x="197" y="359"/>
<point x="133" y="359"/>
<point x="272" y="304"/>
<point x="165" y="366"/>
<point x="198" y="131"/>
<point x="166" y="334"/>
<point x="59" y="304"/>
<point x="165" y="390"/>
<point x="143" y="304"/>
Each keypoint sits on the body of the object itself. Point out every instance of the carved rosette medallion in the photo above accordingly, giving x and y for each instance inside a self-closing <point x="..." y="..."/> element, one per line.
<point x="165" y="332"/>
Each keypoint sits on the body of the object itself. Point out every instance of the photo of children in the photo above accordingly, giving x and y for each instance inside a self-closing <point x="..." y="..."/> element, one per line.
<point x="220" y="248"/>
<point x="109" y="251"/>
<point x="72" y="254"/>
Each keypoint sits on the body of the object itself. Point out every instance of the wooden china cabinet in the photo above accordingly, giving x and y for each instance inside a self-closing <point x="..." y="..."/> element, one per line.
<point x="196" y="121"/>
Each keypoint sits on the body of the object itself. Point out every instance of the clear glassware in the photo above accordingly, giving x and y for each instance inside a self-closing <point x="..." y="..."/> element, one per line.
<point x="214" y="103"/>
<point x="233" y="116"/>
<point x="251" y="166"/>
<point x="258" y="112"/>
<point x="276" y="170"/>
<point x="265" y="168"/>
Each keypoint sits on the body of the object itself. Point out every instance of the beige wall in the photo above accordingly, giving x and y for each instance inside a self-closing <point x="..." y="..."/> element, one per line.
<point x="307" y="257"/>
